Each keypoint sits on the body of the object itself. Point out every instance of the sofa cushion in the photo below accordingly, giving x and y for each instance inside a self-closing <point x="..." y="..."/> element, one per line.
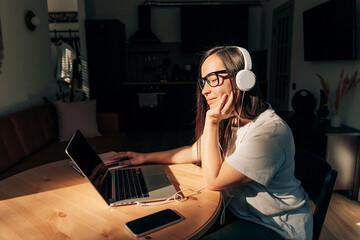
<point x="77" y="115"/>
<point x="11" y="149"/>
<point x="51" y="153"/>
<point x="35" y="127"/>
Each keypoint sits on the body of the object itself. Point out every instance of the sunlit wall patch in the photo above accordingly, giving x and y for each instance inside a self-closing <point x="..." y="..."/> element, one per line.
<point x="1" y="47"/>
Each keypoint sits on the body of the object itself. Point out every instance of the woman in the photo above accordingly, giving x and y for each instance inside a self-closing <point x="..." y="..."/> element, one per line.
<point x="246" y="150"/>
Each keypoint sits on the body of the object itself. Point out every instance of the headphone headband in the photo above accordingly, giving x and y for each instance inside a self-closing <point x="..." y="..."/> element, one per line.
<point x="247" y="58"/>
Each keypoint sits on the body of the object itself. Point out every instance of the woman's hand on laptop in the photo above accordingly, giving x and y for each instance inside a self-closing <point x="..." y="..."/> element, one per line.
<point x="124" y="159"/>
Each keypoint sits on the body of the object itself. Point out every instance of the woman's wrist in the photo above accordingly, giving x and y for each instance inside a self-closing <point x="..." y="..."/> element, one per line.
<point x="146" y="157"/>
<point x="211" y="121"/>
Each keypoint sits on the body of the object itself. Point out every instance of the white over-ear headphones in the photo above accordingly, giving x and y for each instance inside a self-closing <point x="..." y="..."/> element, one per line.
<point x="245" y="79"/>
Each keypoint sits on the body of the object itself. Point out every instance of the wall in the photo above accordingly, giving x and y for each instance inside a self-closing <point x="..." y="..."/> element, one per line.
<point x="26" y="71"/>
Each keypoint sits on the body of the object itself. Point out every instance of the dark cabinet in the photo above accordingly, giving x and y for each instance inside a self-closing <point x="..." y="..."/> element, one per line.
<point x="337" y="145"/>
<point x="106" y="55"/>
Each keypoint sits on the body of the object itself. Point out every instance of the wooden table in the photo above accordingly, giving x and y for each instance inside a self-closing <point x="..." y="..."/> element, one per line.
<point x="55" y="202"/>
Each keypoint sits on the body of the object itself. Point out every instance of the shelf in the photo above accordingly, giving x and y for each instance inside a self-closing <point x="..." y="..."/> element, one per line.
<point x="149" y="51"/>
<point x="63" y="17"/>
<point x="159" y="83"/>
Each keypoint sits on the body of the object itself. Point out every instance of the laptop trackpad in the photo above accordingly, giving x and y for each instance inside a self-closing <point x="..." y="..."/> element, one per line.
<point x="158" y="181"/>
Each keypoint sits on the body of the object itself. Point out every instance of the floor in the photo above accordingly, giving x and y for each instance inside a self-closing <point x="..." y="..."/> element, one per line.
<point x="342" y="220"/>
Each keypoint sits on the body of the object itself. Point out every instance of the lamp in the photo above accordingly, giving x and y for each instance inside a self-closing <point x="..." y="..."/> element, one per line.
<point x="31" y="20"/>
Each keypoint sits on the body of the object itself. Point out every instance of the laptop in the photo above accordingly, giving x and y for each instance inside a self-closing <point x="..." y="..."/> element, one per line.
<point x="119" y="186"/>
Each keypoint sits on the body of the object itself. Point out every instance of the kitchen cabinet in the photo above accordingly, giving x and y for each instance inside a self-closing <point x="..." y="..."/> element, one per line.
<point x="147" y="106"/>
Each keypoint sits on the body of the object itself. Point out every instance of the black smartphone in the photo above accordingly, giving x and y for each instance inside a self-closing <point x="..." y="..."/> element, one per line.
<point x="153" y="222"/>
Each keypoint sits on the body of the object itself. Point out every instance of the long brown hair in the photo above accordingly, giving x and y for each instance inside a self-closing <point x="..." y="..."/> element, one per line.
<point x="253" y="105"/>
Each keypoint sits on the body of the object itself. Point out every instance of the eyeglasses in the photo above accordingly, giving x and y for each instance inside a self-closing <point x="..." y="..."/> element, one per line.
<point x="212" y="79"/>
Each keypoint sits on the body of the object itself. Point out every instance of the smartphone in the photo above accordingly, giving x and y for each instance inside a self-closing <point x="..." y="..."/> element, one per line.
<point x="153" y="222"/>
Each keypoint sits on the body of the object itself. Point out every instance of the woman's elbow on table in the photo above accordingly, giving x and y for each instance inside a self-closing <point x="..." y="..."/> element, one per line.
<point x="214" y="184"/>
<point x="227" y="178"/>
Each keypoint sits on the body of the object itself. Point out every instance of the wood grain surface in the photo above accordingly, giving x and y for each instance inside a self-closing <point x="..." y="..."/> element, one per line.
<point x="55" y="202"/>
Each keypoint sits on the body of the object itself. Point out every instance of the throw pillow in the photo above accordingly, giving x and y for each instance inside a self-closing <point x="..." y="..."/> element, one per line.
<point x="76" y="115"/>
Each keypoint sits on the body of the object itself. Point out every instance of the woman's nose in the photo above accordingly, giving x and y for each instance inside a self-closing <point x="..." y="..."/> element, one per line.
<point x="206" y="89"/>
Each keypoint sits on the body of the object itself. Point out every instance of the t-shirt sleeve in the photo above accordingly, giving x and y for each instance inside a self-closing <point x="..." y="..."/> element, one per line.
<point x="258" y="159"/>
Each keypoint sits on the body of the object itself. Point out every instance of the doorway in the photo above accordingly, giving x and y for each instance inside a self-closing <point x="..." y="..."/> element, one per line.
<point x="281" y="56"/>
<point x="69" y="68"/>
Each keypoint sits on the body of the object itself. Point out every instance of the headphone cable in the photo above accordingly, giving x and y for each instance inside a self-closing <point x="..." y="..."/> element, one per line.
<point x="241" y="107"/>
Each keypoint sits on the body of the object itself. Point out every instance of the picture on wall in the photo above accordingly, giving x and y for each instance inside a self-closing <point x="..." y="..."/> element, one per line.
<point x="1" y="48"/>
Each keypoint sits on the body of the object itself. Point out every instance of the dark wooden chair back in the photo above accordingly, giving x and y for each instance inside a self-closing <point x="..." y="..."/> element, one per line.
<point x="318" y="180"/>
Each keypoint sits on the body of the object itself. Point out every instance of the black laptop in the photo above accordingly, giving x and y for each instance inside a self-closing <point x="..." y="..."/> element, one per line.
<point x="119" y="186"/>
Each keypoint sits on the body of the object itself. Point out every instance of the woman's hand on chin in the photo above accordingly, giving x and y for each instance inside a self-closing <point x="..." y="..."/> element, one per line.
<point x="223" y="110"/>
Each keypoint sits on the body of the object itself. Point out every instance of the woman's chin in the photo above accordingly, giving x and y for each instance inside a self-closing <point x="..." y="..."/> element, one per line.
<point x="212" y="106"/>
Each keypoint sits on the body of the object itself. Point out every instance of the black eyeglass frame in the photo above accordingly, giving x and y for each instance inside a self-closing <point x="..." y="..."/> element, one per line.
<point x="201" y="81"/>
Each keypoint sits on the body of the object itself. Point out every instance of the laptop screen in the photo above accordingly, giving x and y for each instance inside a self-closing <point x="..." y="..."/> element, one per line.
<point x="80" y="151"/>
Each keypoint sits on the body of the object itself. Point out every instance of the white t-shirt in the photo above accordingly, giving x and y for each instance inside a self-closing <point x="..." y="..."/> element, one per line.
<point x="264" y="151"/>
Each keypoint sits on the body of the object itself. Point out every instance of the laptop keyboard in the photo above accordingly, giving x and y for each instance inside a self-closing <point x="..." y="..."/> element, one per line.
<point x="130" y="184"/>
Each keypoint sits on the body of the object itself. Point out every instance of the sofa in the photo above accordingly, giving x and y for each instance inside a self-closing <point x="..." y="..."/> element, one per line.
<point x="30" y="138"/>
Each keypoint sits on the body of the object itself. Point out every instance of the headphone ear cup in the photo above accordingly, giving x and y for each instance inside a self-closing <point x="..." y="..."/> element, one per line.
<point x="245" y="80"/>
